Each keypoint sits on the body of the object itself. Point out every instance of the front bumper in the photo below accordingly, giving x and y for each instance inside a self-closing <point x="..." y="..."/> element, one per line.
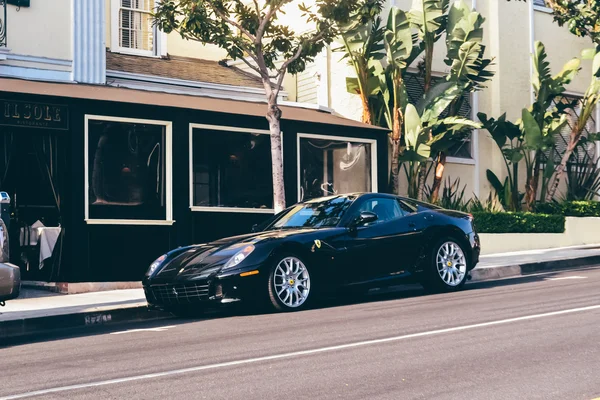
<point x="219" y="288"/>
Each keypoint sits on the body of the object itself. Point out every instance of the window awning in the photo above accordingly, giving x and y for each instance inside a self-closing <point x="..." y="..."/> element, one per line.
<point x="124" y="95"/>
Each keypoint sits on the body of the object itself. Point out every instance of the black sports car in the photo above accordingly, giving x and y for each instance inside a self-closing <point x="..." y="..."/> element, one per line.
<point x="322" y="245"/>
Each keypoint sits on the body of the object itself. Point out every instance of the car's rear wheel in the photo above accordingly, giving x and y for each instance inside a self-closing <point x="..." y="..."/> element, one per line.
<point x="447" y="271"/>
<point x="289" y="284"/>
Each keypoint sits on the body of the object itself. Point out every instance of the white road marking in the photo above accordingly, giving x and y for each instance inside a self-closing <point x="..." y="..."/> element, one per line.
<point x="157" y="329"/>
<point x="565" y="277"/>
<point x="292" y="354"/>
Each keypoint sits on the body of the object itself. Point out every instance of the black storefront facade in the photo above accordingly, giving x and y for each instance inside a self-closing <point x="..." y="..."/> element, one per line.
<point x="121" y="176"/>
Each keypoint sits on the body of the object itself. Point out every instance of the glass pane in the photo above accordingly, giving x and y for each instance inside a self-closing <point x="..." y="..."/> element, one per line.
<point x="126" y="170"/>
<point x="330" y="167"/>
<point x="325" y="213"/>
<point x="136" y="30"/>
<point x="386" y="209"/>
<point x="232" y="169"/>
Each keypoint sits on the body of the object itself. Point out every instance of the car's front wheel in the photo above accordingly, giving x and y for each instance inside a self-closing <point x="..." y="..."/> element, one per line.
<point x="289" y="284"/>
<point x="447" y="271"/>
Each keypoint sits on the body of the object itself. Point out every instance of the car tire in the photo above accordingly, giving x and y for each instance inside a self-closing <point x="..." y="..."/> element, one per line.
<point x="447" y="267"/>
<point x="289" y="284"/>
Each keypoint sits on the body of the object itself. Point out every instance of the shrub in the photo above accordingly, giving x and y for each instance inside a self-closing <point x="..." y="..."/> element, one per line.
<point x="571" y="208"/>
<point x="518" y="223"/>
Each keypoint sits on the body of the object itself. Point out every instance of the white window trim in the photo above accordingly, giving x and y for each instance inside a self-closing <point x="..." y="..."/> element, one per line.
<point x="160" y="38"/>
<point x="372" y="142"/>
<point x="168" y="172"/>
<point x="543" y="9"/>
<point x="191" y="169"/>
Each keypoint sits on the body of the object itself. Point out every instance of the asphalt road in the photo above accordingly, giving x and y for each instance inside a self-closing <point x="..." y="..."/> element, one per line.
<point x="527" y="338"/>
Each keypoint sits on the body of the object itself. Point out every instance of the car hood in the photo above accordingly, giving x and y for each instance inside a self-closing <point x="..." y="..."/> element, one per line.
<point x="200" y="261"/>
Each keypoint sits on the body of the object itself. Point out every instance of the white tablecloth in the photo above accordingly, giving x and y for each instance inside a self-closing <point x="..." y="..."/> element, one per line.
<point x="47" y="238"/>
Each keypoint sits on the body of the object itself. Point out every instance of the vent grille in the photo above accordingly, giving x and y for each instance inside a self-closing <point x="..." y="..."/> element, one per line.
<point x="177" y="294"/>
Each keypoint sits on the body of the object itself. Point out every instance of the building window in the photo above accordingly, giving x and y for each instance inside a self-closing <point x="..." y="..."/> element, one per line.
<point x="133" y="30"/>
<point x="333" y="165"/>
<point x="415" y="87"/>
<point x="230" y="169"/>
<point x="127" y="170"/>
<point x="586" y="150"/>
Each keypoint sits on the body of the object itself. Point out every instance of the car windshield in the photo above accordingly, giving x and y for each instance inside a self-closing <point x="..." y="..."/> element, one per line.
<point x="315" y="214"/>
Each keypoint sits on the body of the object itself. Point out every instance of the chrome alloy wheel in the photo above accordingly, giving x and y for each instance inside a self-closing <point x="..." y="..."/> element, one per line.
<point x="292" y="282"/>
<point x="451" y="263"/>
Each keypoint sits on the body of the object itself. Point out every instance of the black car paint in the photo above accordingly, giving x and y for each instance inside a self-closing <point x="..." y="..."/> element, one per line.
<point x="344" y="255"/>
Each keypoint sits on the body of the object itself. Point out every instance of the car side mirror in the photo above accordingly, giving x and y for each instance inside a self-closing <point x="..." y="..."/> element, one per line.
<point x="365" y="217"/>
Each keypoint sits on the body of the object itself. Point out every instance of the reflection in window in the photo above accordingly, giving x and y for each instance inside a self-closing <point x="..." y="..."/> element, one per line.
<point x="232" y="169"/>
<point x="329" y="167"/>
<point x="385" y="209"/>
<point x="126" y="170"/>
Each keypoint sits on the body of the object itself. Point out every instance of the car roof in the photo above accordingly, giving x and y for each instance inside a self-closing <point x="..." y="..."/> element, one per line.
<point x="356" y="195"/>
<point x="367" y="195"/>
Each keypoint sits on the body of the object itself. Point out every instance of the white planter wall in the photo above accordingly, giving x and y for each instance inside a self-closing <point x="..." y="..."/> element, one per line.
<point x="578" y="231"/>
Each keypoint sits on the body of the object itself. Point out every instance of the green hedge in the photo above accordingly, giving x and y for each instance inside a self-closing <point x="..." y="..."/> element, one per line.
<point x="505" y="222"/>
<point x="571" y="208"/>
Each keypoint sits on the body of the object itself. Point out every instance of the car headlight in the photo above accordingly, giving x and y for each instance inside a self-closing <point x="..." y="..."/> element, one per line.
<point x="239" y="256"/>
<point x="156" y="264"/>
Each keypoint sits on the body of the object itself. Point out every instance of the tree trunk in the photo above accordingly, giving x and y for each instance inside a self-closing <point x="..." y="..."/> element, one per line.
<point x="274" y="118"/>
<point x="560" y="170"/>
<point x="395" y="167"/>
<point x="437" y="180"/>
<point x="421" y="195"/>
<point x="532" y="184"/>
<point x="366" y="114"/>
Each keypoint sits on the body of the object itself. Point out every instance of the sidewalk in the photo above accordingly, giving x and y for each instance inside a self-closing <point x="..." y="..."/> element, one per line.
<point x="37" y="311"/>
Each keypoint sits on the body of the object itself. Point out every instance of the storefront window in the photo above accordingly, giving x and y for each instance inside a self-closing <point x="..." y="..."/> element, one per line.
<point x="329" y="167"/>
<point x="231" y="169"/>
<point x="126" y="170"/>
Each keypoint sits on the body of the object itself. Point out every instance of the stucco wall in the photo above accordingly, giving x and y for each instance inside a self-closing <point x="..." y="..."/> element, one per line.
<point x="42" y="30"/>
<point x="561" y="46"/>
<point x="578" y="231"/>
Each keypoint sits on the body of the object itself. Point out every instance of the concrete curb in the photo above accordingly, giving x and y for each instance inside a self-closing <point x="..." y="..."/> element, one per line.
<point x="21" y="328"/>
<point x="512" y="271"/>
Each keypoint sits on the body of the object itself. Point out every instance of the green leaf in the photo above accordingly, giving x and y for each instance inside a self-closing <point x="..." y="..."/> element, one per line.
<point x="568" y="72"/>
<point x="533" y="134"/>
<point x="588" y="54"/>
<point x="466" y="64"/>
<point x="463" y="26"/>
<point x="494" y="181"/>
<point x="352" y="85"/>
<point x="596" y="65"/>
<point x="426" y="16"/>
<point x="437" y="99"/>
<point x="412" y="126"/>
<point x="398" y="38"/>
<point x="549" y="168"/>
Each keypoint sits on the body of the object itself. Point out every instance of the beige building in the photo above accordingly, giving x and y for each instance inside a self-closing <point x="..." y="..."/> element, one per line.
<point x="113" y="42"/>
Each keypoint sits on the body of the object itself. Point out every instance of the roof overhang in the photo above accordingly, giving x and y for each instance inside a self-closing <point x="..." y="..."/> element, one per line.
<point x="124" y="95"/>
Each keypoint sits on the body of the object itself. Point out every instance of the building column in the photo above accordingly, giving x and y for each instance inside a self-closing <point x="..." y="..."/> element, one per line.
<point x="507" y="39"/>
<point x="89" y="47"/>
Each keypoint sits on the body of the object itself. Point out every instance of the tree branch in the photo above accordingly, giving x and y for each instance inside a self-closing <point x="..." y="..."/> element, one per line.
<point x="257" y="8"/>
<point x="234" y="23"/>
<point x="282" y="69"/>
<point x="263" y="23"/>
